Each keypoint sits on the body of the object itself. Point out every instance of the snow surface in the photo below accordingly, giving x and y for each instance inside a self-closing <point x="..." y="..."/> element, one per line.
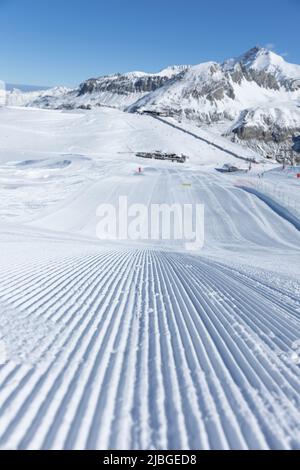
<point x="140" y="345"/>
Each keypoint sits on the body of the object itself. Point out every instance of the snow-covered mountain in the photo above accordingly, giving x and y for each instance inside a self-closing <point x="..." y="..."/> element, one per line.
<point x="268" y="129"/>
<point x="211" y="92"/>
<point x="256" y="94"/>
<point x="263" y="64"/>
<point x="255" y="97"/>
<point x="118" y="90"/>
<point x="39" y="98"/>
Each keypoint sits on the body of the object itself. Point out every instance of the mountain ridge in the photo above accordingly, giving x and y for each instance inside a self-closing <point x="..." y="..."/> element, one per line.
<point x="245" y="94"/>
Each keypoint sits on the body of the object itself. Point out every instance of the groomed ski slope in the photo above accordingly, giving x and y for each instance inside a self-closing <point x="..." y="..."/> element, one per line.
<point x="151" y="350"/>
<point x="136" y="345"/>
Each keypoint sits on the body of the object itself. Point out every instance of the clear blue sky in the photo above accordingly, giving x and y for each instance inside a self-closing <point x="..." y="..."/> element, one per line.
<point x="50" y="42"/>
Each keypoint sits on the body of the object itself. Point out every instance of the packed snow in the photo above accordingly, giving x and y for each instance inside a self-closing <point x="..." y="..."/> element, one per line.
<point x="137" y="344"/>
